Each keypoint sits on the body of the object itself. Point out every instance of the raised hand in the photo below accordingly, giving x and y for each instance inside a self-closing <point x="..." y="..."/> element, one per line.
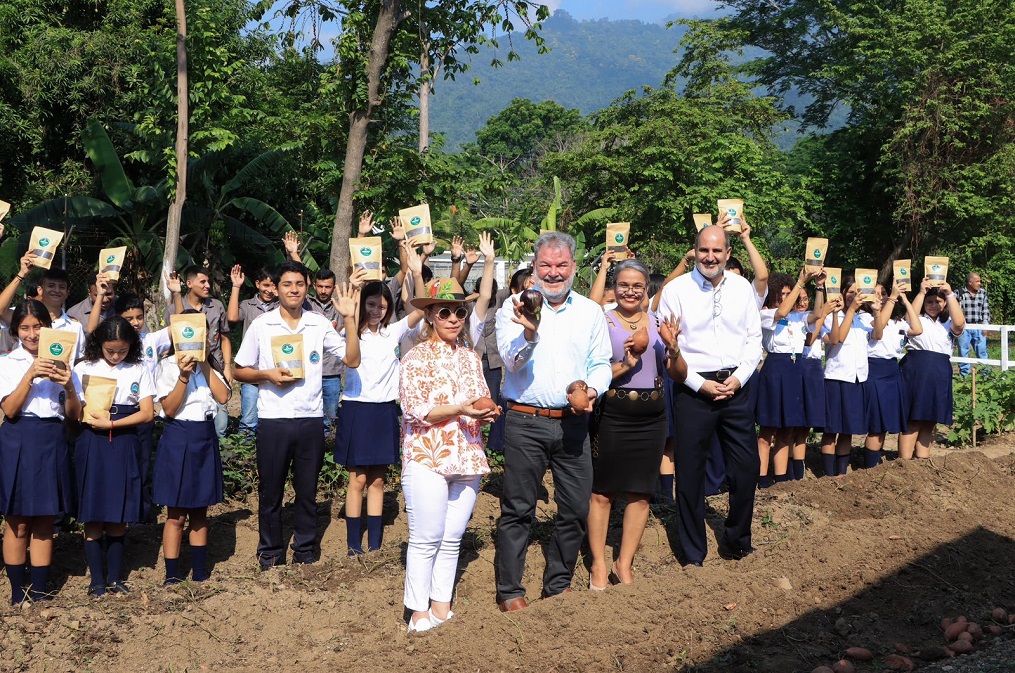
<point x="291" y="243"/>
<point x="457" y="247"/>
<point x="945" y="289"/>
<point x="609" y="257"/>
<point x="397" y="229"/>
<point x="102" y="282"/>
<point x="413" y="260"/>
<point x="428" y="249"/>
<point x="27" y="262"/>
<point x="236" y="276"/>
<point x="357" y="279"/>
<point x="669" y="330"/>
<point x="345" y="300"/>
<point x="187" y="363"/>
<point x="366" y="223"/>
<point x="528" y="321"/>
<point x="173" y="283"/>
<point x="486" y="247"/>
<point x="745" y="229"/>
<point x="471" y="255"/>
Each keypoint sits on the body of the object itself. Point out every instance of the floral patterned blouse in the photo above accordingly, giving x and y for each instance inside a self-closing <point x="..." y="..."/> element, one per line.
<point x="434" y="374"/>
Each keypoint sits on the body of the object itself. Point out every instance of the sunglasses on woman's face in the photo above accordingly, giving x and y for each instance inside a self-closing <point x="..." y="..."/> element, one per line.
<point x="461" y="313"/>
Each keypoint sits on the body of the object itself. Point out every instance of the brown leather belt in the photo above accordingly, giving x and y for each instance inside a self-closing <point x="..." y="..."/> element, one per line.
<point x="538" y="411"/>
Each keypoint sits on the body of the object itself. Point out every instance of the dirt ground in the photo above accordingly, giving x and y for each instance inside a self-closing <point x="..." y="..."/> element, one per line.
<point x="871" y="559"/>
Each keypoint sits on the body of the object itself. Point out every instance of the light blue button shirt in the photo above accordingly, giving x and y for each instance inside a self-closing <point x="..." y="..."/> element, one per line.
<point x="572" y="343"/>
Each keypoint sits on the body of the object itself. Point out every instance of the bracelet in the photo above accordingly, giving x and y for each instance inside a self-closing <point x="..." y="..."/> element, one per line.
<point x="799" y="286"/>
<point x="20" y="277"/>
<point x="670" y="354"/>
<point x="183" y="380"/>
<point x="455" y="260"/>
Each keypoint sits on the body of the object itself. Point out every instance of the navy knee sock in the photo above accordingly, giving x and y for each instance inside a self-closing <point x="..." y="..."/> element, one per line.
<point x="173" y="571"/>
<point x="114" y="557"/>
<point x="828" y="462"/>
<point x="871" y="458"/>
<point x="375" y="532"/>
<point x="797" y="468"/>
<point x="354" y="534"/>
<point x="16" y="575"/>
<point x="779" y="478"/>
<point x="764" y="481"/>
<point x="199" y="563"/>
<point x="841" y="464"/>
<point x="93" y="554"/>
<point x="40" y="578"/>
<point x="666" y="487"/>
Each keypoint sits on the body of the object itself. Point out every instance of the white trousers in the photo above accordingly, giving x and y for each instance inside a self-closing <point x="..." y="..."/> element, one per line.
<point x="438" y="508"/>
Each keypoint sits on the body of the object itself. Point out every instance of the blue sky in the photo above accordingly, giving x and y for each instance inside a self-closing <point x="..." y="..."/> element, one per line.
<point x="643" y="10"/>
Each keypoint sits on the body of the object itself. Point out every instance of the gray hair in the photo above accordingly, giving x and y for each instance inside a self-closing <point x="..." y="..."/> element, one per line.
<point x="633" y="265"/>
<point x="554" y="239"/>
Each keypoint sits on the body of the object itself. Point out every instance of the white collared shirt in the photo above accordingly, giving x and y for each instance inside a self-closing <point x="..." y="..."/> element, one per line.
<point x="67" y="323"/>
<point x="198" y="403"/>
<point x="787" y="335"/>
<point x="892" y="343"/>
<point x="936" y="337"/>
<point x="376" y="378"/>
<point x="720" y="326"/>
<point x="45" y="398"/>
<point x="572" y="343"/>
<point x="848" y="361"/>
<point x="133" y="382"/>
<point x="302" y="398"/>
<point x="154" y="345"/>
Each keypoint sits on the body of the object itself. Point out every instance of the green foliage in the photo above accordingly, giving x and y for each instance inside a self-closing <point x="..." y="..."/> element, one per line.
<point x="239" y="469"/>
<point x="995" y="405"/>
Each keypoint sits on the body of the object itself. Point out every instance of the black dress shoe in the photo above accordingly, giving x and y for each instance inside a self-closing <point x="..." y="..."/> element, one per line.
<point x="731" y="554"/>
<point x="694" y="564"/>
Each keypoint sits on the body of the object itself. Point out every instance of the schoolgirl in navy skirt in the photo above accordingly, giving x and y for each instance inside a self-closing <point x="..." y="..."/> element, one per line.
<point x="107" y="454"/>
<point x="780" y="403"/>
<point x="927" y="370"/>
<point x="886" y="401"/>
<point x="845" y="372"/>
<point x="188" y="465"/>
<point x="35" y="480"/>
<point x="813" y="377"/>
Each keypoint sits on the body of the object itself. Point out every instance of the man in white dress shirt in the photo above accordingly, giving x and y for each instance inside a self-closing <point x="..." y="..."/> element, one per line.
<point x="721" y="343"/>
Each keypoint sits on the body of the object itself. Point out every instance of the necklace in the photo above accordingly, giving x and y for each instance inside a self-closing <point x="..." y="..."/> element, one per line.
<point x="631" y="323"/>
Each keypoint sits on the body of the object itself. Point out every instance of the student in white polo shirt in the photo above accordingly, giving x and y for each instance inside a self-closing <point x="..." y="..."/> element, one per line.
<point x="290" y="411"/>
<point x="55" y="284"/>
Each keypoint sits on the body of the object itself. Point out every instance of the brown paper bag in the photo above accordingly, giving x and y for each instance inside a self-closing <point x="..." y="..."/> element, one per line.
<point x="416" y="221"/>
<point x="618" y="235"/>
<point x="190" y="335"/>
<point x="903" y="273"/>
<point x="936" y="269"/>
<point x="365" y="253"/>
<point x="866" y="285"/>
<point x="735" y="208"/>
<point x="4" y="209"/>
<point x="58" y="345"/>
<point x="287" y="352"/>
<point x="111" y="261"/>
<point x="702" y="220"/>
<point x="43" y="245"/>
<point x="99" y="395"/>
<point x="817" y="250"/>
<point x="833" y="282"/>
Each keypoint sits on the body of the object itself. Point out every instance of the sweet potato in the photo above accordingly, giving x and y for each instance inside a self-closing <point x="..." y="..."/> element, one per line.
<point x="579" y="400"/>
<point x="822" y="669"/>
<point x="901" y="648"/>
<point x="965" y="635"/>
<point x="962" y="646"/>
<point x="953" y="631"/>
<point x="859" y="653"/>
<point x="995" y="630"/>
<point x="532" y="302"/>
<point x="639" y="341"/>
<point x="484" y="403"/>
<point x="897" y="662"/>
<point x="999" y="615"/>
<point x="946" y="622"/>
<point x="843" y="666"/>
<point x="975" y="630"/>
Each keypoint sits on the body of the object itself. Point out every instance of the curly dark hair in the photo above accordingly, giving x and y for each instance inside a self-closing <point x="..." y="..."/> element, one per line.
<point x="113" y="328"/>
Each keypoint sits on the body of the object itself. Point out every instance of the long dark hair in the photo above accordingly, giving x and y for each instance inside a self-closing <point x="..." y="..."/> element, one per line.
<point x="30" y="307"/>
<point x="113" y="328"/>
<point x="374" y="289"/>
<point x="936" y="292"/>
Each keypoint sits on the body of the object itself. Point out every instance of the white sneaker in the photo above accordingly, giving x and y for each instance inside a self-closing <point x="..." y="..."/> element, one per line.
<point x="435" y="621"/>
<point x="420" y="625"/>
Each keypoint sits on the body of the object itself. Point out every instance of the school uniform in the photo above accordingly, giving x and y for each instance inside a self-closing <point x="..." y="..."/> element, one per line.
<point x="331" y="374"/>
<point x="290" y="431"/>
<point x="886" y="403"/>
<point x="35" y="472"/>
<point x="814" y="383"/>
<point x="927" y="372"/>
<point x="367" y="432"/>
<point x="250" y="310"/>
<point x="188" y="465"/>
<point x="845" y="371"/>
<point x="780" y="402"/>
<point x="107" y="463"/>
<point x="154" y="345"/>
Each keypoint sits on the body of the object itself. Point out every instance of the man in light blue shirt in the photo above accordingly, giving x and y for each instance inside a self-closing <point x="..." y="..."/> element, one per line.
<point x="543" y="355"/>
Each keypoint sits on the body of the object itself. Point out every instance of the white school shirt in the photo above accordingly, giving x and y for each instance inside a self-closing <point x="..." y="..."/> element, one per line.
<point x="198" y="403"/>
<point x="65" y="322"/>
<point x="376" y="378"/>
<point x="848" y="361"/>
<point x="154" y="345"/>
<point x="787" y="335"/>
<point x="133" y="382"/>
<point x="936" y="337"/>
<point x="731" y="340"/>
<point x="302" y="398"/>
<point x="45" y="398"/>
<point x="893" y="340"/>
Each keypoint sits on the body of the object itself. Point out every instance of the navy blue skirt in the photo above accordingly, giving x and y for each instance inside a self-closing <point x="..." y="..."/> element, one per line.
<point x="35" y="474"/>
<point x="188" y="465"/>
<point x="844" y="409"/>
<point x="780" y="401"/>
<point x="928" y="380"/>
<point x="814" y="393"/>
<point x="367" y="433"/>
<point x="884" y="397"/>
<point x="108" y="475"/>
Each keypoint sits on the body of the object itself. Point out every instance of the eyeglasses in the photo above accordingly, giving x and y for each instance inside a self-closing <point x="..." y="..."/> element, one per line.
<point x="624" y="288"/>
<point x="717" y="302"/>
<point x="461" y="313"/>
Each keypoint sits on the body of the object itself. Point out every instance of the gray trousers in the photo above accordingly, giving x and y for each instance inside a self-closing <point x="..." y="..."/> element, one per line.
<point x="531" y="444"/>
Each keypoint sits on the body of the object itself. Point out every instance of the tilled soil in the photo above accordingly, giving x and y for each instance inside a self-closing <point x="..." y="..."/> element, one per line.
<point x="872" y="559"/>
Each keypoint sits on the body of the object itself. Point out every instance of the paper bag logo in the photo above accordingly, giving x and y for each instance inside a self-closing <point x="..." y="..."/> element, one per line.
<point x="44" y="242"/>
<point x="619" y="238"/>
<point x="314" y="358"/>
<point x="287" y="349"/>
<point x="56" y="349"/>
<point x="732" y="212"/>
<point x="188" y="332"/>
<point x="110" y="259"/>
<point x="936" y="267"/>
<point x="903" y="272"/>
<point x="833" y="280"/>
<point x="415" y="221"/>
<point x="867" y="280"/>
<point x="817" y="253"/>
<point x="366" y="252"/>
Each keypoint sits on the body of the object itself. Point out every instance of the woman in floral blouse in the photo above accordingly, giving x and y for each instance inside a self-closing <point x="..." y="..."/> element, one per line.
<point x="442" y="450"/>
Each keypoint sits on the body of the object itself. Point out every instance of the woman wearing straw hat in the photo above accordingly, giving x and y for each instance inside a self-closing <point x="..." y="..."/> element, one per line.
<point x="440" y="385"/>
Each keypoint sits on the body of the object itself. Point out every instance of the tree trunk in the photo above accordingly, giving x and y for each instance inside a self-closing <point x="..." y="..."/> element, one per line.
<point x="425" y="88"/>
<point x="182" y="144"/>
<point x="359" y="126"/>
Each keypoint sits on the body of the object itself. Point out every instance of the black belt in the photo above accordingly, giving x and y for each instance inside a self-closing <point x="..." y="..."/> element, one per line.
<point x="719" y="375"/>
<point x="123" y="409"/>
<point x="643" y="394"/>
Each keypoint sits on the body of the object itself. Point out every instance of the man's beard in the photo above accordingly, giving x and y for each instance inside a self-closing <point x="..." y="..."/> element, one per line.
<point x="555" y="297"/>
<point x="719" y="268"/>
